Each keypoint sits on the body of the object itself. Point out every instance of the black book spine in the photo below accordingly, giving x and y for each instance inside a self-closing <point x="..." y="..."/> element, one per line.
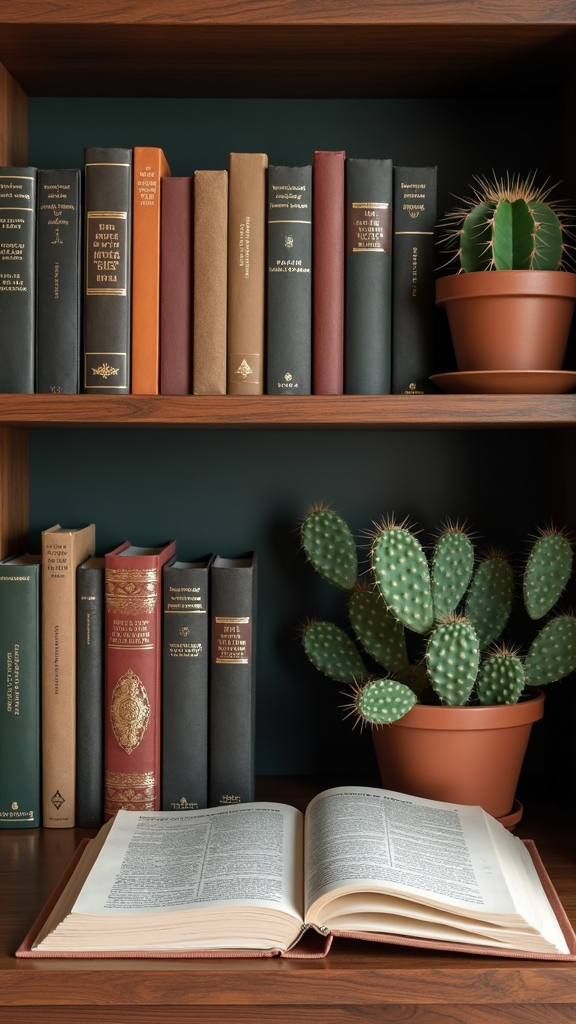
<point x="368" y="314"/>
<point x="185" y="664"/>
<point x="289" y="280"/>
<point x="90" y="693"/>
<point x="232" y="679"/>
<point x="413" y="305"/>
<point x="59" y="289"/>
<point x="17" y="278"/>
<point x="107" y="277"/>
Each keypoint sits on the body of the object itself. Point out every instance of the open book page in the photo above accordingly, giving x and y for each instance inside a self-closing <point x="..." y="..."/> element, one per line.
<point x="387" y="862"/>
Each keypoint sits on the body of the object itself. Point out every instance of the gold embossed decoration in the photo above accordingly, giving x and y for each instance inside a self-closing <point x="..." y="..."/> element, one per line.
<point x="131" y="791"/>
<point x="131" y="591"/>
<point x="129" y="711"/>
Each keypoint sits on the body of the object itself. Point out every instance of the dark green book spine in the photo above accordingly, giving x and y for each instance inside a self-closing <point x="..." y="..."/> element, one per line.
<point x="59" y="291"/>
<point x="20" y="708"/>
<point x="90" y="693"/>
<point x="289" y="281"/>
<point x="17" y="279"/>
<point x="107" y="277"/>
<point x="413" y="260"/>
<point x="368" y="314"/>
<point x="185" y="662"/>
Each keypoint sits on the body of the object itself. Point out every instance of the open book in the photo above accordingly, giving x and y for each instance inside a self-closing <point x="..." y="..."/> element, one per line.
<point x="258" y="878"/>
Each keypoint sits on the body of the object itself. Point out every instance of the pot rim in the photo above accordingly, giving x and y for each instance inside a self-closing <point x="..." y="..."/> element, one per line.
<point x="477" y="283"/>
<point x="472" y="719"/>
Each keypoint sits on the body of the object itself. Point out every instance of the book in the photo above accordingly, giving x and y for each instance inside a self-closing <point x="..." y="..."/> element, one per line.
<point x="175" y="286"/>
<point x="262" y="878"/>
<point x="107" y="270"/>
<point x="233" y="589"/>
<point x="246" y="272"/>
<point x="210" y="282"/>
<point x="185" y="662"/>
<point x="132" y="638"/>
<point x="149" y="168"/>
<point x="413" y="300"/>
<point x="63" y="550"/>
<point x="59" y="282"/>
<point x="328" y="235"/>
<point x="17" y="278"/>
<point x="368" y="316"/>
<point x="289" y="281"/>
<point x="20" y="708"/>
<point x="90" y="693"/>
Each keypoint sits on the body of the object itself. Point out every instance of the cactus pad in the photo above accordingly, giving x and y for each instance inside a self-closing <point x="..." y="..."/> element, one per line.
<point x="330" y="547"/>
<point x="552" y="655"/>
<point x="380" y="634"/>
<point x="332" y="652"/>
<point x="490" y="597"/>
<point x="547" y="573"/>
<point x="452" y="564"/>
<point x="452" y="657"/>
<point x="401" y="571"/>
<point x="383" y="701"/>
<point x="501" y="679"/>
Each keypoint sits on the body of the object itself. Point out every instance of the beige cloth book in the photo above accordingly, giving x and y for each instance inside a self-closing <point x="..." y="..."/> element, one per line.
<point x="210" y="282"/>
<point x="62" y="552"/>
<point x="246" y="272"/>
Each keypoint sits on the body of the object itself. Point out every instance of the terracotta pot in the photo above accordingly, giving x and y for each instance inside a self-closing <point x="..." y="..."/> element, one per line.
<point x="509" y="319"/>
<point x="469" y="755"/>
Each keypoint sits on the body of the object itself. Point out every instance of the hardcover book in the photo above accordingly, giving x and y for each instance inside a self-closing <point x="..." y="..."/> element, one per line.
<point x="185" y="663"/>
<point x="150" y="167"/>
<point x="132" y="636"/>
<point x="90" y="693"/>
<point x="59" y="284"/>
<point x="20" y="708"/>
<point x="210" y="282"/>
<point x="175" y="286"/>
<point x="328" y="270"/>
<point x="62" y="552"/>
<point x="289" y="281"/>
<point x="368" y="320"/>
<point x="17" y="279"/>
<point x="107" y="270"/>
<point x="232" y="679"/>
<point x="413" y="302"/>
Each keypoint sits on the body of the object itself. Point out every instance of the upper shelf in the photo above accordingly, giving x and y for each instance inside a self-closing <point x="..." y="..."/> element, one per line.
<point x="362" y="412"/>
<point x="287" y="47"/>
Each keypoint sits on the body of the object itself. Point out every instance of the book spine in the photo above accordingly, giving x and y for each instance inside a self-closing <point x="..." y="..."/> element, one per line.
<point x="232" y="679"/>
<point x="289" y="281"/>
<point x="20" y="708"/>
<point x="246" y="272"/>
<point x="185" y="660"/>
<point x="175" y="286"/>
<point x="107" y="271"/>
<point x="368" y="318"/>
<point x="17" y="278"/>
<point x="210" y="282"/>
<point x="413" y="308"/>
<point x="328" y="270"/>
<point x="62" y="552"/>
<point x="90" y="693"/>
<point x="149" y="168"/>
<point x="59" y="285"/>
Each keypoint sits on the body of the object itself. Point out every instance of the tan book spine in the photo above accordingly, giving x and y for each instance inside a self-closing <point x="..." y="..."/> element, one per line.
<point x="210" y="276"/>
<point x="62" y="552"/>
<point x="150" y="166"/>
<point x="246" y="272"/>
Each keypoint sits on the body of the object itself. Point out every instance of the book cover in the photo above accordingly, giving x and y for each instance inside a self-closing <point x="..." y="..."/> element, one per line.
<point x="59" y="284"/>
<point x="413" y="300"/>
<point x="368" y="316"/>
<point x="289" y="281"/>
<point x="232" y="679"/>
<point x="62" y="551"/>
<point x="185" y="662"/>
<point x="329" y="236"/>
<point x="150" y="167"/>
<point x="90" y="693"/>
<point x="132" y="637"/>
<point x="20" y="708"/>
<point x="246" y="272"/>
<point x="107" y="270"/>
<point x="17" y="279"/>
<point x="175" y="285"/>
<point x="210" y="282"/>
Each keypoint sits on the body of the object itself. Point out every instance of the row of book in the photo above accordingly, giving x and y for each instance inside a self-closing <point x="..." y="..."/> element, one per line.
<point x="130" y="681"/>
<point x="314" y="279"/>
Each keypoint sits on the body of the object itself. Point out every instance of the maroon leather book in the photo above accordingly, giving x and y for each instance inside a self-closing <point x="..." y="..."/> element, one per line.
<point x="176" y="286"/>
<point x="328" y="237"/>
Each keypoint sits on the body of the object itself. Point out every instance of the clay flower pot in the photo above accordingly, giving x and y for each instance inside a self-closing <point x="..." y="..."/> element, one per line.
<point x="466" y="755"/>
<point x="508" y="319"/>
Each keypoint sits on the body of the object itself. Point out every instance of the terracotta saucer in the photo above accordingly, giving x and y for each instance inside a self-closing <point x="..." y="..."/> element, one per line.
<point x="507" y="382"/>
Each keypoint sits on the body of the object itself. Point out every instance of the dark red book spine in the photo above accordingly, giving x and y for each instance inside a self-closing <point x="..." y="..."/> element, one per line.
<point x="176" y="286"/>
<point x="328" y="264"/>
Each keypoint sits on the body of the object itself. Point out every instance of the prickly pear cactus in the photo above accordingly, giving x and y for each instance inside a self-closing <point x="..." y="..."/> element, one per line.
<point x="452" y="658"/>
<point x="380" y="634"/>
<point x="552" y="654"/>
<point x="382" y="701"/>
<point x="451" y="567"/>
<point x="330" y="546"/>
<point x="332" y="652"/>
<point x="501" y="679"/>
<point x="547" y="572"/>
<point x="401" y="571"/>
<point x="490" y="597"/>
